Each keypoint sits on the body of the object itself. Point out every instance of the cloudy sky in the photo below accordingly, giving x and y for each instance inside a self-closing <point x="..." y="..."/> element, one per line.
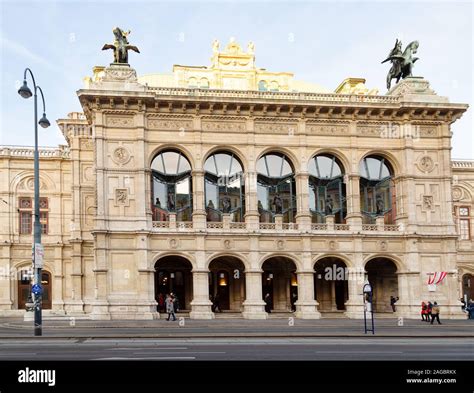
<point x="321" y="42"/>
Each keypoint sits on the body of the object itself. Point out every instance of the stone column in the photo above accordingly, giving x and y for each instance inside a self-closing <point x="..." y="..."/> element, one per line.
<point x="306" y="305"/>
<point x="226" y="220"/>
<point x="199" y="213"/>
<point x="201" y="305"/>
<point x="303" y="216"/>
<point x="7" y="277"/>
<point x="75" y="305"/>
<point x="380" y="222"/>
<point x="330" y="222"/>
<point x="172" y="220"/>
<point x="254" y="306"/>
<point x="355" y="303"/>
<point x="100" y="305"/>
<point x="354" y="216"/>
<point x="279" y="222"/>
<point x="252" y="216"/>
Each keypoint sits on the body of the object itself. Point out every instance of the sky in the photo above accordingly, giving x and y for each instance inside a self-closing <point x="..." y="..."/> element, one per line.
<point x="319" y="41"/>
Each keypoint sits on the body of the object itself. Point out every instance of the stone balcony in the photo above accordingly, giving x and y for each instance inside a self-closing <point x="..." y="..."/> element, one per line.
<point x="264" y="228"/>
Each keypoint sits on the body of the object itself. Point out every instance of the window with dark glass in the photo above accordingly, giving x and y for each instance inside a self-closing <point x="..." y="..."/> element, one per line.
<point x="464" y="223"/>
<point x="377" y="191"/>
<point x="26" y="214"/>
<point x="224" y="187"/>
<point x="171" y="187"/>
<point x="276" y="188"/>
<point x="327" y="191"/>
<point x="44" y="215"/>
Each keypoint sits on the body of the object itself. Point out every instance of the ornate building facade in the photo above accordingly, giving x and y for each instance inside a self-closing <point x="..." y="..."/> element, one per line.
<point x="237" y="183"/>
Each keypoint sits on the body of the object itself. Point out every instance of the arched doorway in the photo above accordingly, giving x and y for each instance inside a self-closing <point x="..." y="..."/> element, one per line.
<point x="468" y="286"/>
<point x="173" y="275"/>
<point x="382" y="276"/>
<point x="330" y="284"/>
<point x="227" y="283"/>
<point x="24" y="288"/>
<point x="280" y="282"/>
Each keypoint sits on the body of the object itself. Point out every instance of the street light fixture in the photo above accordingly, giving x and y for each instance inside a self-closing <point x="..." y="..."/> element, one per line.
<point x="25" y="92"/>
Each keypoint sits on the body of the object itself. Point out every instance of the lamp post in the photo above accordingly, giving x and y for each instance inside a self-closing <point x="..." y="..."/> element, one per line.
<point x="25" y="92"/>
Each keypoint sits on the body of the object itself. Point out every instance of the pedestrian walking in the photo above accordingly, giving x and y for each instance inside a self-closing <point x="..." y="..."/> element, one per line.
<point x="435" y="313"/>
<point x="170" y="307"/>
<point x="216" y="303"/>
<point x="430" y="307"/>
<point x="424" y="311"/>
<point x="470" y="310"/>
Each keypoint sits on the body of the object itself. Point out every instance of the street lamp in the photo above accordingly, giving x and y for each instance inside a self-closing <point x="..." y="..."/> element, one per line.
<point x="25" y="92"/>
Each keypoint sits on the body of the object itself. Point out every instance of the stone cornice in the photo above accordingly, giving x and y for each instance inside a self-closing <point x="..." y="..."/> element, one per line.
<point x="204" y="102"/>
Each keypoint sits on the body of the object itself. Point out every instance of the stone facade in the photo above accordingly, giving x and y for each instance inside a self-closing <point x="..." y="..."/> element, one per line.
<point x="105" y="248"/>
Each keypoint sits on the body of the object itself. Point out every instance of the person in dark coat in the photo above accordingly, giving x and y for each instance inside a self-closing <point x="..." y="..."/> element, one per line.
<point x="435" y="313"/>
<point x="268" y="303"/>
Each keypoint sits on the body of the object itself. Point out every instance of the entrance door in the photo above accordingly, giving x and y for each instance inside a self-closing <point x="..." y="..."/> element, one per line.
<point x="46" y="284"/>
<point x="24" y="289"/>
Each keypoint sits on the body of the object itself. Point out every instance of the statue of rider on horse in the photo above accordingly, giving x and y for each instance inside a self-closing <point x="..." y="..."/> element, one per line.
<point x="402" y="62"/>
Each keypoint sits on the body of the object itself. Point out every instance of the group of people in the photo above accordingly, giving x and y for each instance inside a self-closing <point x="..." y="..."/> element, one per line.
<point x="168" y="304"/>
<point x="468" y="308"/>
<point x="430" y="312"/>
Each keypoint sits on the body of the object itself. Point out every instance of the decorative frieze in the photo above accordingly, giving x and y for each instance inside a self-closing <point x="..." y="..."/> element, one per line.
<point x="120" y="122"/>
<point x="276" y="128"/>
<point x="170" y="124"/>
<point x="327" y="129"/>
<point x="223" y="126"/>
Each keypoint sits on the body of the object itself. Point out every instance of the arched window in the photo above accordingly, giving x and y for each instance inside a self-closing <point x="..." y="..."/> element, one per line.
<point x="262" y="86"/>
<point x="192" y="82"/>
<point x="204" y="83"/>
<point x="172" y="186"/>
<point x="377" y="191"/>
<point x="225" y="190"/>
<point x="274" y="86"/>
<point x="327" y="191"/>
<point x="276" y="188"/>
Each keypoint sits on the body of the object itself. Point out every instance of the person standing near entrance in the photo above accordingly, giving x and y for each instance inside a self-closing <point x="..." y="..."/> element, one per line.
<point x="268" y="305"/>
<point x="169" y="302"/>
<point x="393" y="300"/>
<point x="435" y="313"/>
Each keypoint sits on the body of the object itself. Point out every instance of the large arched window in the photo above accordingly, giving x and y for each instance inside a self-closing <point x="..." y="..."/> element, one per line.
<point x="327" y="191"/>
<point x="276" y="188"/>
<point x="377" y="191"/>
<point x="172" y="186"/>
<point x="225" y="192"/>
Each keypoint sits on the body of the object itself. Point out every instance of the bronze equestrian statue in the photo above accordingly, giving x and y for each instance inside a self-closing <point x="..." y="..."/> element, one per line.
<point x="402" y="62"/>
<point x="121" y="46"/>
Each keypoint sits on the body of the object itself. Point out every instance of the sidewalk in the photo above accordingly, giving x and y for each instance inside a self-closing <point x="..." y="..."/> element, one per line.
<point x="14" y="328"/>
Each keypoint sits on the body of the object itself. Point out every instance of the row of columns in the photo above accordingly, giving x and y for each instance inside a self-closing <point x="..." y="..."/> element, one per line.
<point x="254" y="306"/>
<point x="303" y="216"/>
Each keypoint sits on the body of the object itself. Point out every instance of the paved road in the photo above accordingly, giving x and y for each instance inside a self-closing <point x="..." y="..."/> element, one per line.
<point x="240" y="349"/>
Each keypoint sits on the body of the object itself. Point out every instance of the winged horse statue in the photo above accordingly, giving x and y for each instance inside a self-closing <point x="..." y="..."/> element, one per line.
<point x="121" y="46"/>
